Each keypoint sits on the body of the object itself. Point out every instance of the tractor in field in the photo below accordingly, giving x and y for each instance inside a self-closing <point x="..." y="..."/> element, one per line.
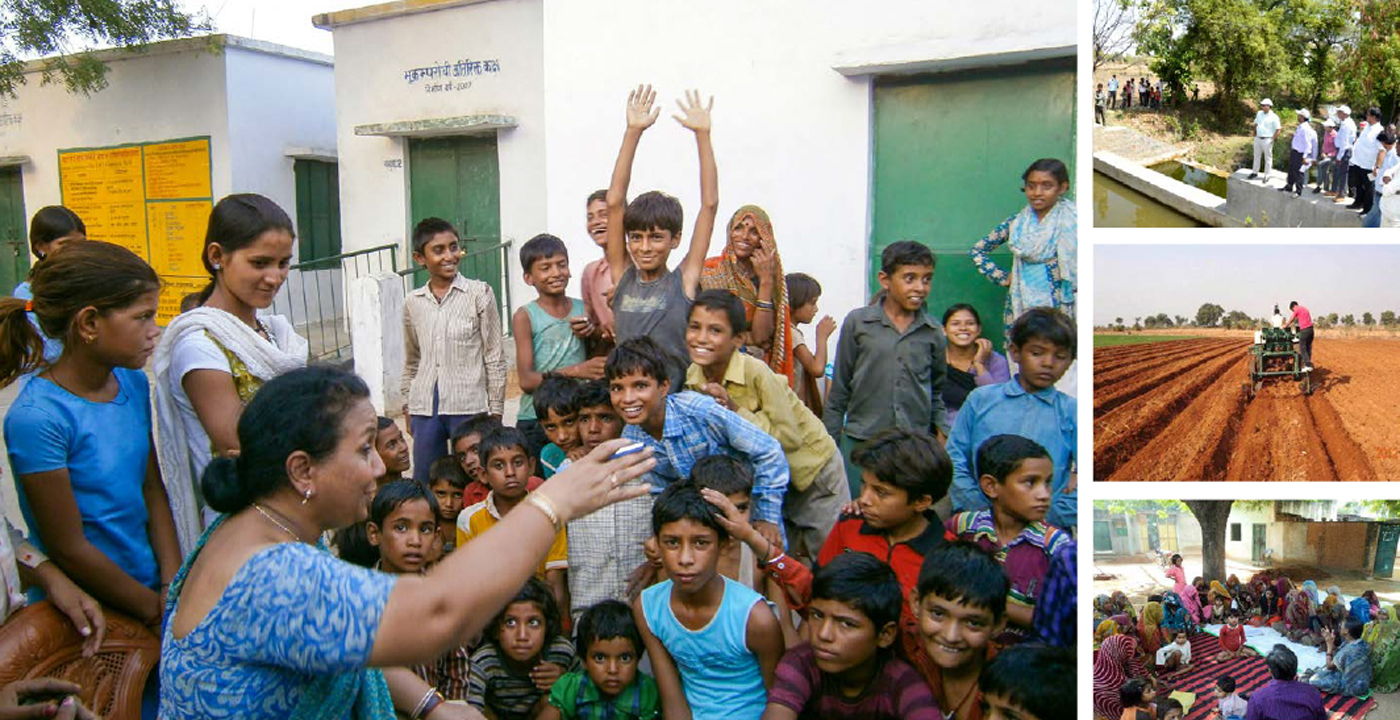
<point x="1275" y="355"/>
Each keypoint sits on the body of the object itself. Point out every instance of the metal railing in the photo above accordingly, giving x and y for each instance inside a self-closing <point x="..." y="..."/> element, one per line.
<point x="313" y="297"/>
<point x="489" y="264"/>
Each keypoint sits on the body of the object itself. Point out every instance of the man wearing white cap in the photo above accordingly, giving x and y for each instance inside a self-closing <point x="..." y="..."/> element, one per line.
<point x="1346" y="140"/>
<point x="1301" y="153"/>
<point x="1266" y="128"/>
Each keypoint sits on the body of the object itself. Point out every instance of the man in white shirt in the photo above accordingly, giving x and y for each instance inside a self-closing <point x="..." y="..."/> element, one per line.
<point x="1301" y="153"/>
<point x="1346" y="139"/>
<point x="1113" y="91"/>
<point x="1266" y="129"/>
<point x="1389" y="167"/>
<point x="1365" y="159"/>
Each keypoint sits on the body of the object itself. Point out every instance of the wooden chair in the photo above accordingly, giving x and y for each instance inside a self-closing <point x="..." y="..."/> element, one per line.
<point x="39" y="641"/>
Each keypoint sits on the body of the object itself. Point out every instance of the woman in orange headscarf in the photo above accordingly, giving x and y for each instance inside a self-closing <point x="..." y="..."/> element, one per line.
<point x="751" y="269"/>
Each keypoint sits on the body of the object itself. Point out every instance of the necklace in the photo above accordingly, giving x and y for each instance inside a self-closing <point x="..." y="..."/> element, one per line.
<point x="261" y="329"/>
<point x="275" y="521"/>
<point x="954" y="713"/>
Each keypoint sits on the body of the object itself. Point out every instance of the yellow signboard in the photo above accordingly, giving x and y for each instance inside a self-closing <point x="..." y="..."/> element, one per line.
<point x="177" y="170"/>
<point x="152" y="198"/>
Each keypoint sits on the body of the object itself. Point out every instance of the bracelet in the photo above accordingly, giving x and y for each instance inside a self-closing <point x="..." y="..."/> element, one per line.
<point x="429" y="703"/>
<point x="546" y="506"/>
<point x="764" y="305"/>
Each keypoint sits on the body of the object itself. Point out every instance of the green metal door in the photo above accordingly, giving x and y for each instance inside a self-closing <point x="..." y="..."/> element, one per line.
<point x="1103" y="536"/>
<point x="14" y="241"/>
<point x="1385" y="550"/>
<point x="949" y="153"/>
<point x="458" y="179"/>
<point x="1260" y="542"/>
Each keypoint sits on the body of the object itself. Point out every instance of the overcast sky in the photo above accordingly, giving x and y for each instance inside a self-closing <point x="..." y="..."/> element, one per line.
<point x="286" y="22"/>
<point x="1142" y="280"/>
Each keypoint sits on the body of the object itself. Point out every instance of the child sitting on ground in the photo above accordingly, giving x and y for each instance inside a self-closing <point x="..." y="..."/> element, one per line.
<point x="523" y="653"/>
<point x="1228" y="703"/>
<point x="403" y="523"/>
<point x="545" y="343"/>
<point x="393" y="450"/>
<point x="1175" y="656"/>
<point x="1232" y="639"/>
<point x="466" y="440"/>
<point x="1014" y="686"/>
<point x="556" y="405"/>
<point x="605" y="545"/>
<point x="609" y="685"/>
<point x="683" y="427"/>
<point x="651" y="300"/>
<point x="961" y="607"/>
<point x="713" y="643"/>
<point x="508" y="470"/>
<point x="746" y="385"/>
<point x="1016" y="477"/>
<point x="1042" y="346"/>
<point x="1139" y="700"/>
<point x="447" y="482"/>
<point x="848" y="668"/>
<point x="803" y="293"/>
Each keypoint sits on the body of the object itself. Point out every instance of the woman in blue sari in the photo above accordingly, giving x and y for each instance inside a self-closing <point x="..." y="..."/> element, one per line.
<point x="267" y="624"/>
<point x="1043" y="241"/>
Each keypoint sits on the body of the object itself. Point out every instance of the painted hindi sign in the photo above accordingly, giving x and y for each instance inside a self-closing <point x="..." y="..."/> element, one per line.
<point x="151" y="198"/>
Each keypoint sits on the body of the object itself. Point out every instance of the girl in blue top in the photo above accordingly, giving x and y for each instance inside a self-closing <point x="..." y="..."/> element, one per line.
<point x="79" y="433"/>
<point x="50" y="229"/>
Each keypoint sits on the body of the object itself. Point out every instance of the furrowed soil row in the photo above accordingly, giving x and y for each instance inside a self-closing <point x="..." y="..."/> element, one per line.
<point x="1107" y="375"/>
<point x="1196" y="443"/>
<point x="1109" y="395"/>
<point x="1200" y="425"/>
<point x="1125" y="355"/>
<point x="1121" y="432"/>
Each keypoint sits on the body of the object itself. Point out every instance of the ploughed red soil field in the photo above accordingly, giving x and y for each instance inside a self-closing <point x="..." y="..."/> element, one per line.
<point x="1179" y="410"/>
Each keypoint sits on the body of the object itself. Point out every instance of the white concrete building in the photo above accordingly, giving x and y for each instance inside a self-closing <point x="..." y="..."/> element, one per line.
<point x="853" y="125"/>
<point x="257" y="115"/>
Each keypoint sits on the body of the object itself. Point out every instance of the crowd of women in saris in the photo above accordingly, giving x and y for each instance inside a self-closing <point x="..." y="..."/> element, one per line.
<point x="1127" y="640"/>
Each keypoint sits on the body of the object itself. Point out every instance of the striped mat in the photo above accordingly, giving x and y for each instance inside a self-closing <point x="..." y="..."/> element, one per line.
<point x="1250" y="674"/>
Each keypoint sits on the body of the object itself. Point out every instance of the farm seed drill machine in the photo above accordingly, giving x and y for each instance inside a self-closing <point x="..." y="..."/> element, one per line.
<point x="1275" y="355"/>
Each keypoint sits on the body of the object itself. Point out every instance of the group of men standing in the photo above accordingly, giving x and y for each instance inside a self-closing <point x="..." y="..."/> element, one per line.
<point x="1348" y="157"/>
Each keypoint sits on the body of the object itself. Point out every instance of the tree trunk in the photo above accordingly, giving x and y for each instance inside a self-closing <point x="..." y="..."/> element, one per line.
<point x="1213" y="516"/>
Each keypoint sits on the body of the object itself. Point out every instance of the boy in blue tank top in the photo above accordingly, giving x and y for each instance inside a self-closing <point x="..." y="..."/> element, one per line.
<point x="546" y="343"/>
<point x="714" y="644"/>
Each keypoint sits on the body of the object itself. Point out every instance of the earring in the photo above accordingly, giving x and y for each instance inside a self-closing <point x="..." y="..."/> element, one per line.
<point x="218" y="267"/>
<point x="306" y="496"/>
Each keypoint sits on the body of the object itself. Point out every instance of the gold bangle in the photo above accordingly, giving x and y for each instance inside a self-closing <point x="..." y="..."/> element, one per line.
<point x="546" y="506"/>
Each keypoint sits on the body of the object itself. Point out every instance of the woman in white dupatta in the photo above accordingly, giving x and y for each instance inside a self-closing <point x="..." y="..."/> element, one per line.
<point x="213" y="358"/>
<point x="1043" y="240"/>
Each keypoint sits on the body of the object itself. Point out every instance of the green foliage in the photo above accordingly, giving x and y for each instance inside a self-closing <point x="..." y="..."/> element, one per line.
<point x="1238" y="319"/>
<point x="1382" y="509"/>
<point x="1332" y="318"/>
<point x="1348" y="320"/>
<point x="1367" y="319"/>
<point x="1388" y="317"/>
<point x="1160" y="508"/>
<point x="1369" y="68"/>
<point x="63" y="32"/>
<point x="1209" y="314"/>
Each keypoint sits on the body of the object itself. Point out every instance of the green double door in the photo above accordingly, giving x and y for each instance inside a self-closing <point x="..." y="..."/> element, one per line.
<point x="14" y="239"/>
<point x="458" y="180"/>
<point x="949" y="153"/>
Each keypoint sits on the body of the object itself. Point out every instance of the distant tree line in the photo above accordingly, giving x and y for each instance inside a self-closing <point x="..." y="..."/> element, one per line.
<point x="1211" y="315"/>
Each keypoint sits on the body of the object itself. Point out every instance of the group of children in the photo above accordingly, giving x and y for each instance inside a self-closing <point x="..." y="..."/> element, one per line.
<point x="789" y="562"/>
<point x="1138" y="651"/>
